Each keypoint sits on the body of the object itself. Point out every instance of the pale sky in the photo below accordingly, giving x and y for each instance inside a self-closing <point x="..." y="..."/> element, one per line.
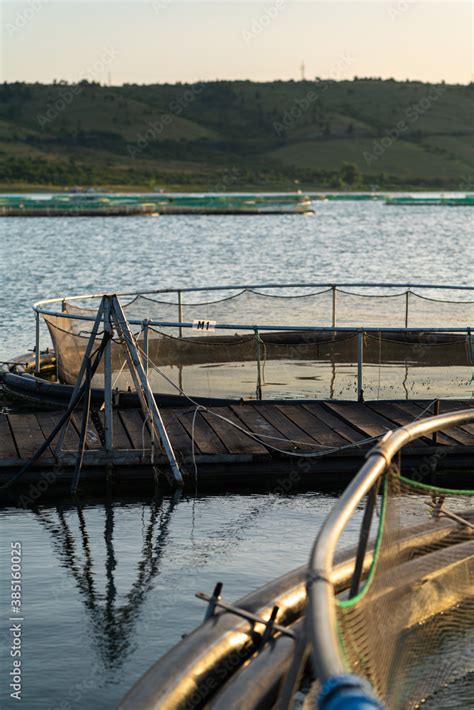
<point x="154" y="41"/>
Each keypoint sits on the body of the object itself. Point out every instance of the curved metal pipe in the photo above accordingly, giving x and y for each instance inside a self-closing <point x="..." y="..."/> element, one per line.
<point x="321" y="616"/>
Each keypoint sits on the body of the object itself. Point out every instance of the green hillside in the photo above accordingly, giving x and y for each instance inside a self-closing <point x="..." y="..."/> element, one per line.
<point x="236" y="135"/>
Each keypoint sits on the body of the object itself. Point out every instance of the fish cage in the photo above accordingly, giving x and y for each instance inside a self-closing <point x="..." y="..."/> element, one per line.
<point x="281" y="341"/>
<point x="386" y="623"/>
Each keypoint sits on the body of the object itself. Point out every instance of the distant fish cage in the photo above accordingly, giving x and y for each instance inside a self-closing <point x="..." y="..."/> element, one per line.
<point x="98" y="204"/>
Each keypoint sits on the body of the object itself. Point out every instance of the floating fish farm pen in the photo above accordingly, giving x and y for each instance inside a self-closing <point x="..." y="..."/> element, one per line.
<point x="229" y="384"/>
<point x="429" y="201"/>
<point x="101" y="204"/>
<point x="388" y="623"/>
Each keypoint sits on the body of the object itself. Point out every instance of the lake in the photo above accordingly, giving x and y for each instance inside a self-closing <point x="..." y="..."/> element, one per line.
<point x="110" y="587"/>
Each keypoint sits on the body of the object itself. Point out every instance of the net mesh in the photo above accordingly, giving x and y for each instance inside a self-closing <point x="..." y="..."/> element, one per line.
<point x="410" y="630"/>
<point x="239" y="363"/>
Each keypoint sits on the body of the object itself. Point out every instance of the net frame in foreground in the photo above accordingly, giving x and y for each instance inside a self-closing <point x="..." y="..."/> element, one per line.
<point x="321" y="611"/>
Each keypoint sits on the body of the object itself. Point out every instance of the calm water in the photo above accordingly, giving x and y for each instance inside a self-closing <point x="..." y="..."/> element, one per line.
<point x="107" y="589"/>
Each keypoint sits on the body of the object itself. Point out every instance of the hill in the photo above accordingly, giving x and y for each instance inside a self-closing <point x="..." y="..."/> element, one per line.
<point x="235" y="135"/>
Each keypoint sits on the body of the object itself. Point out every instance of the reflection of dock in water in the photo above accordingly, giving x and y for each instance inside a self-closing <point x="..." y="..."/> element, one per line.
<point x="112" y="621"/>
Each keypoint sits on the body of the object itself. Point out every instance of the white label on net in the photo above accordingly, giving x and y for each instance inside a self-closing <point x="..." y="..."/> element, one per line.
<point x="205" y="325"/>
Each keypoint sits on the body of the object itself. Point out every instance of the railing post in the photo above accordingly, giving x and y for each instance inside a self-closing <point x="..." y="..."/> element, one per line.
<point x="180" y="312"/>
<point x="108" y="413"/>
<point x="360" y="366"/>
<point x="259" y="369"/>
<point x="145" y="343"/>
<point x="333" y="306"/>
<point x="37" y="345"/>
<point x="407" y="298"/>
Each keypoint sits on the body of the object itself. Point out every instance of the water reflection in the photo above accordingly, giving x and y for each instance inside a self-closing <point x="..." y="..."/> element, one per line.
<point x="113" y="622"/>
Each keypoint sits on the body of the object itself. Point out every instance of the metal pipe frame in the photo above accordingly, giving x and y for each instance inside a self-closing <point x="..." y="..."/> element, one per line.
<point x="321" y="610"/>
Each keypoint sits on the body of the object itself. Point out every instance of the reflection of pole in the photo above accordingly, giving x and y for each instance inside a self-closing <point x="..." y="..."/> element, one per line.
<point x="360" y="365"/>
<point x="333" y="377"/>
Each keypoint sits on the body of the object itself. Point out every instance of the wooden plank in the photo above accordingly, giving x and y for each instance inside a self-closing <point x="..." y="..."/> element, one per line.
<point x="8" y="449"/>
<point x="334" y="423"/>
<point x="205" y="438"/>
<point x="361" y="417"/>
<point x="132" y="420"/>
<point x="120" y="439"/>
<point x="48" y="420"/>
<point x="235" y="440"/>
<point x="286" y="427"/>
<point x="92" y="435"/>
<point x="319" y="432"/>
<point x="457" y="406"/>
<point x="415" y="409"/>
<point x="179" y="437"/>
<point x="28" y="435"/>
<point x="398" y="416"/>
<point x="253" y="421"/>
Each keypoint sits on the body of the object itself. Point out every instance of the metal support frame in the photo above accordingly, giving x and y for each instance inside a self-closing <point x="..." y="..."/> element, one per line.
<point x="180" y="312"/>
<point x="37" y="344"/>
<point x="360" y="366"/>
<point x="146" y="333"/>
<point x="258" y="392"/>
<point x="108" y="408"/>
<point x="407" y="300"/>
<point x="143" y="387"/>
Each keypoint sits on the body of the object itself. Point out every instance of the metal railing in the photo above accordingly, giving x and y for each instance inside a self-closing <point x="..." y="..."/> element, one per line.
<point x="321" y="608"/>
<point x="43" y="308"/>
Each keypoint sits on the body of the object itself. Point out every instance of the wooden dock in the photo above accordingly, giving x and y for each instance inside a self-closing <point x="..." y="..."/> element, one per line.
<point x="338" y="431"/>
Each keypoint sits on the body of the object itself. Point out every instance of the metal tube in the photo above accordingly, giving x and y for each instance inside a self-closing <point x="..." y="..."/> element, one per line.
<point x="145" y="344"/>
<point x="407" y="298"/>
<point x="321" y="617"/>
<point x="108" y="410"/>
<point x="143" y="388"/>
<point x="180" y="313"/>
<point x="234" y="287"/>
<point x="37" y="345"/>
<point x="360" y="366"/>
<point x="289" y="328"/>
<point x="334" y="292"/>
<point x="259" y="370"/>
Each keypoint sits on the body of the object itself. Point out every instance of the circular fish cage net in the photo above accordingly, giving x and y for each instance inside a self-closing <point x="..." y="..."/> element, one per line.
<point x="248" y="363"/>
<point x="410" y="629"/>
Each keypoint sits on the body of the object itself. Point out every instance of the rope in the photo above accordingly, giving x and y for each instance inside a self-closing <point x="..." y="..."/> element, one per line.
<point x="259" y="437"/>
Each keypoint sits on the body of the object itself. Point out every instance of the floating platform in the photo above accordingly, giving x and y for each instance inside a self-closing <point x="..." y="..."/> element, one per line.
<point x="101" y="204"/>
<point x="318" y="444"/>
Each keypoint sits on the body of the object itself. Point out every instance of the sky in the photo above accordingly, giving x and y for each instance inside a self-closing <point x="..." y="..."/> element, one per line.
<point x="155" y="41"/>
